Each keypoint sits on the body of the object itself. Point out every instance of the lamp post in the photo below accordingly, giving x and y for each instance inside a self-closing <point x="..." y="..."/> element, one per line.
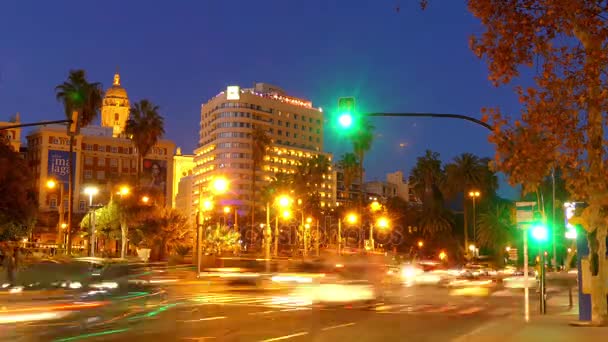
<point x="219" y="186"/>
<point x="91" y="191"/>
<point x="52" y="184"/>
<point x="350" y="219"/>
<point x="283" y="202"/>
<point x="474" y="195"/>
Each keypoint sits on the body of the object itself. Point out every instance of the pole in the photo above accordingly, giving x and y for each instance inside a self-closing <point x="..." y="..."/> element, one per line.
<point x="371" y="236"/>
<point x="92" y="225"/>
<point x="318" y="240"/>
<point x="339" y="236"/>
<point x="553" y="218"/>
<point x="276" y="234"/>
<point x="236" y="219"/>
<point x="466" y="230"/>
<point x="526" y="289"/>
<point x="199" y="249"/>
<point x="543" y="302"/>
<point x="61" y="211"/>
<point x="71" y="185"/>
<point x="474" y="223"/>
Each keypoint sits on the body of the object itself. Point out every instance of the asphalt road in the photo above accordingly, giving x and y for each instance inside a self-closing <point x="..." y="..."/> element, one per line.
<point x="194" y="313"/>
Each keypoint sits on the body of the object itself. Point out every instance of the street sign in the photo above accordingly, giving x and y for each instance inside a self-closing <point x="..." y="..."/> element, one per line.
<point x="513" y="254"/>
<point x="525" y="213"/>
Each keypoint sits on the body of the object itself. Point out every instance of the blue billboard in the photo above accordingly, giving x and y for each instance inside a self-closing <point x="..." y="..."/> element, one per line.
<point x="58" y="166"/>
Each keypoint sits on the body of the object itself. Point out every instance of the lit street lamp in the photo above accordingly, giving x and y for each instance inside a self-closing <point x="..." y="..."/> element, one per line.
<point x="91" y="191"/>
<point x="420" y="244"/>
<point x="350" y="219"/>
<point x="382" y="223"/>
<point x="219" y="185"/>
<point x="52" y="184"/>
<point x="474" y="195"/>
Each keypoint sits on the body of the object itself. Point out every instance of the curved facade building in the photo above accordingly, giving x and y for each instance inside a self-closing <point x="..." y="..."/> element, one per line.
<point x="225" y="145"/>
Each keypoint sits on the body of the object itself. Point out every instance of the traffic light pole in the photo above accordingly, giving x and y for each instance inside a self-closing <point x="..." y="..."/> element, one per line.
<point x="436" y="115"/>
<point x="543" y="290"/>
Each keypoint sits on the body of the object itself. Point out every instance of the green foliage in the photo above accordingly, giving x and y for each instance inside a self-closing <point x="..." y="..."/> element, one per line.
<point x="18" y="207"/>
<point x="107" y="220"/>
<point x="349" y="163"/>
<point x="467" y="172"/>
<point x="221" y="239"/>
<point x="496" y="227"/>
<point x="145" y="126"/>
<point x="427" y="176"/>
<point x="77" y="94"/>
<point x="260" y="141"/>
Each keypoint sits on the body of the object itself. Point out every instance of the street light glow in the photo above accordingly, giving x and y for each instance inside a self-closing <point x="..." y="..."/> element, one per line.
<point x="91" y="190"/>
<point x="207" y="205"/>
<point x="375" y="206"/>
<point x="64" y="225"/>
<point x="51" y="184"/>
<point x="286" y="214"/>
<point x="284" y="201"/>
<point x="145" y="199"/>
<point x="508" y="248"/>
<point x="442" y="255"/>
<point x="220" y="185"/>
<point x="472" y="248"/>
<point x="309" y="220"/>
<point x="420" y="243"/>
<point x="124" y="190"/>
<point x="351" y="218"/>
<point x="474" y="193"/>
<point x="382" y="222"/>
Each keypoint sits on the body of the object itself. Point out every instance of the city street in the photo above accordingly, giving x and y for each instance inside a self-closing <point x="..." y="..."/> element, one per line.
<point x="190" y="312"/>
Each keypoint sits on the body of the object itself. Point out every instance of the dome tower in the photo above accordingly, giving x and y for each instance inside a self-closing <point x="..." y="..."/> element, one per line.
<point x="115" y="108"/>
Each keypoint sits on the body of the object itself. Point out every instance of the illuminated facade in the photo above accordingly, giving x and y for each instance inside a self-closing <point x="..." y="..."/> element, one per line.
<point x="225" y="145"/>
<point x="183" y="166"/>
<point x="103" y="156"/>
<point x="13" y="135"/>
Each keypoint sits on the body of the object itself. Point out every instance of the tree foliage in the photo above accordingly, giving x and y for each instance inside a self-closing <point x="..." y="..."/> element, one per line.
<point x="260" y="142"/>
<point x="77" y="94"/>
<point x="18" y="206"/>
<point x="563" y="118"/>
<point x="144" y="127"/>
<point x="349" y="163"/>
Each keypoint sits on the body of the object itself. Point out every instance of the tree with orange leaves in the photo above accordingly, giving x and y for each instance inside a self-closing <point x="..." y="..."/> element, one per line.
<point x="564" y="112"/>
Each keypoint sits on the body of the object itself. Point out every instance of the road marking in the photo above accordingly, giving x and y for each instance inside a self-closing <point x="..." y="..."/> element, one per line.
<point x="440" y="309"/>
<point x="286" y="337"/>
<point x="205" y="319"/>
<point x="338" y="326"/>
<point x="263" y="312"/>
<point x="470" y="310"/>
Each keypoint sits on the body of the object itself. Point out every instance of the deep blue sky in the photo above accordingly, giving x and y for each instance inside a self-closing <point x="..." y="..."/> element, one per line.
<point x="180" y="53"/>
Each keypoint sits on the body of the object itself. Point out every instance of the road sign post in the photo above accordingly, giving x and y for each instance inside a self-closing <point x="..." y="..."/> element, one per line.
<point x="525" y="217"/>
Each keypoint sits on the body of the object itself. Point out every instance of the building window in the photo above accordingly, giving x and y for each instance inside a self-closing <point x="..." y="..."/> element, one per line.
<point x="88" y="161"/>
<point x="101" y="162"/>
<point x="53" y="202"/>
<point x="116" y="117"/>
<point x="101" y="174"/>
<point x="114" y="162"/>
<point x="88" y="174"/>
<point x="89" y="147"/>
<point x="81" y="205"/>
<point x="279" y="132"/>
<point x="114" y="149"/>
<point x="101" y="148"/>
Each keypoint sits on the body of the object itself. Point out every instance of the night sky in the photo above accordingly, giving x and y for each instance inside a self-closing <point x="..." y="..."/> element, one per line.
<point x="178" y="54"/>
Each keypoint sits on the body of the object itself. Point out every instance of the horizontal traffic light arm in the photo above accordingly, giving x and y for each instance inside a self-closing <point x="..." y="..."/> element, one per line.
<point x="41" y="123"/>
<point x="435" y="115"/>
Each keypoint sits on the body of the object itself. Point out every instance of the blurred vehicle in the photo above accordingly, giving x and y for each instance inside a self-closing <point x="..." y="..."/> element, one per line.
<point x="517" y="281"/>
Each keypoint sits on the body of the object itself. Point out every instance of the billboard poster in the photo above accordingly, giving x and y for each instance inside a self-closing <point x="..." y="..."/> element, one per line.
<point x="155" y="175"/>
<point x="58" y="166"/>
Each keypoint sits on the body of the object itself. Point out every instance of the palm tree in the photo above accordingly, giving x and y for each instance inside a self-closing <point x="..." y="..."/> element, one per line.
<point x="426" y="178"/>
<point x="77" y="95"/>
<point x="144" y="127"/>
<point x="260" y="141"/>
<point x="362" y="140"/>
<point x="464" y="173"/>
<point x="496" y="227"/>
<point x="350" y="169"/>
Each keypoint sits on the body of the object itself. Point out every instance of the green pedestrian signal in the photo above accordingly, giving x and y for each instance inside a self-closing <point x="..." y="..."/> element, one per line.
<point x="346" y="112"/>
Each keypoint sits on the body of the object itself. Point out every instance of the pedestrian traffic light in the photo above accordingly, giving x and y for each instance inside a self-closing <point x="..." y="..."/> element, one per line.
<point x="540" y="233"/>
<point x="346" y="112"/>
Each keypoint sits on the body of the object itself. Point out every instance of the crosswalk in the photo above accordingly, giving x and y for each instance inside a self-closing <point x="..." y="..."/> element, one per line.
<point x="288" y="302"/>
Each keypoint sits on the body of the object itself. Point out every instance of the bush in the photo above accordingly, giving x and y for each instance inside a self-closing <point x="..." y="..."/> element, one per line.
<point x="182" y="250"/>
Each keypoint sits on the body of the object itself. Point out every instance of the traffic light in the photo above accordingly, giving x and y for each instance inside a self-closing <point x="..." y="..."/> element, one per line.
<point x="540" y="233"/>
<point x="73" y="128"/>
<point x="346" y="112"/>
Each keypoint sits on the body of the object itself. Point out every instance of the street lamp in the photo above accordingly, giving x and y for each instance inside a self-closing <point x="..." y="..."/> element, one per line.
<point x="145" y="199"/>
<point x="375" y="206"/>
<point x="351" y="219"/>
<point x="220" y="185"/>
<point x="124" y="190"/>
<point x="91" y="191"/>
<point x="284" y="201"/>
<point x="52" y="184"/>
<point x="382" y="223"/>
<point x="474" y="195"/>
<point x="420" y="244"/>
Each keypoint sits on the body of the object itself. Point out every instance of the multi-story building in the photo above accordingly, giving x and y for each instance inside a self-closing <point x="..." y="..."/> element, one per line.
<point x="225" y="146"/>
<point x="341" y="194"/>
<point x="12" y="135"/>
<point x="183" y="167"/>
<point x="395" y="186"/>
<point x="103" y="156"/>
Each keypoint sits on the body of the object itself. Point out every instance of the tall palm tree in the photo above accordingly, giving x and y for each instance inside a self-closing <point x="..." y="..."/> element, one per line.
<point x="496" y="227"/>
<point x="362" y="140"/>
<point x="77" y="95"/>
<point x="260" y="141"/>
<point x="350" y="169"/>
<point x="427" y="177"/>
<point x="464" y="173"/>
<point x="144" y="127"/>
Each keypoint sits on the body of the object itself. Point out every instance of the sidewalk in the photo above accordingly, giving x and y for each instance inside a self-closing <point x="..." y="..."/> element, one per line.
<point x="554" y="326"/>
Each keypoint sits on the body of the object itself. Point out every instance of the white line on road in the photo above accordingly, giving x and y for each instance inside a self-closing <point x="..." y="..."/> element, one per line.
<point x="286" y="337"/>
<point x="338" y="326"/>
<point x="205" y="319"/>
<point x="263" y="312"/>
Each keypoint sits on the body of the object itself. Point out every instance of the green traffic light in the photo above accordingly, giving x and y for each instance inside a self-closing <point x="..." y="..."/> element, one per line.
<point x="346" y="120"/>
<point x="540" y="233"/>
